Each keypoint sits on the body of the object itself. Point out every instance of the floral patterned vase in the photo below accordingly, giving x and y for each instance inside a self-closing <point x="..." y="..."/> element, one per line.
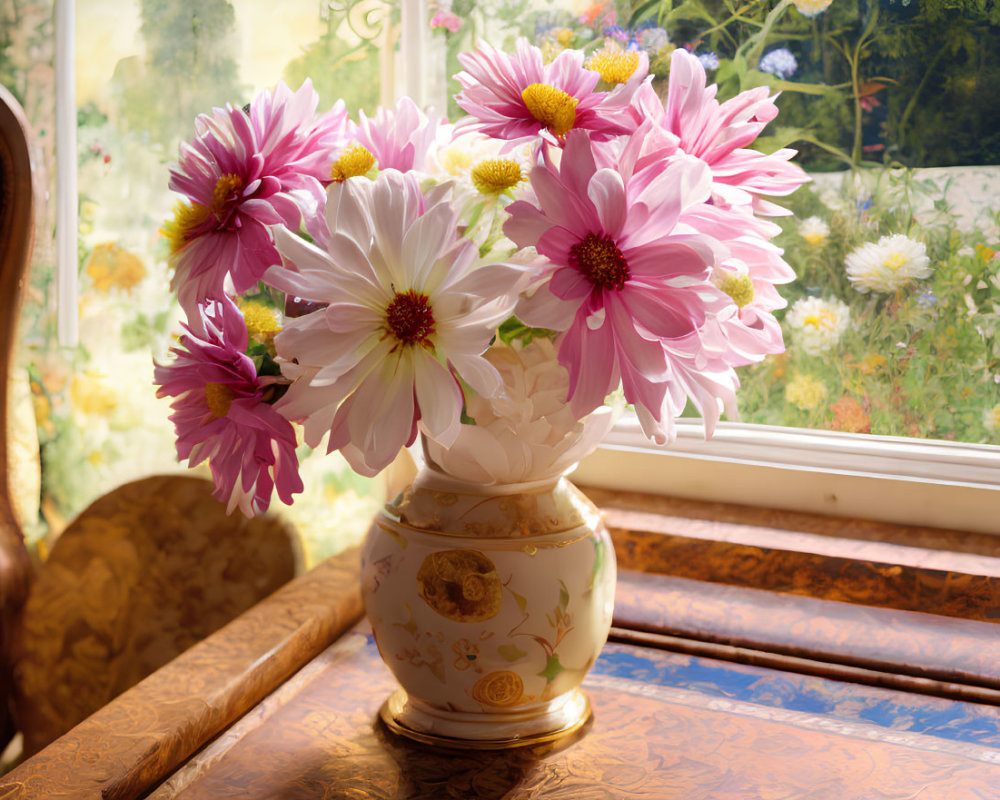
<point x="489" y="603"/>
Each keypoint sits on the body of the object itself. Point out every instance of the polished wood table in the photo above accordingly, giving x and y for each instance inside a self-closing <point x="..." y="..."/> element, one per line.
<point x="707" y="689"/>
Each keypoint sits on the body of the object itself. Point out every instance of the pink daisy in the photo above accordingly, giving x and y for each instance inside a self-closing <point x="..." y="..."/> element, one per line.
<point x="400" y="138"/>
<point x="627" y="271"/>
<point x="408" y="314"/>
<point x="718" y="134"/>
<point x="243" y="172"/>
<point x="519" y="97"/>
<point x="221" y="413"/>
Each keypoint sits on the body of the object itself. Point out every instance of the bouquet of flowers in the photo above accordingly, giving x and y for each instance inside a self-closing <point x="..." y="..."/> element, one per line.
<point x="572" y="236"/>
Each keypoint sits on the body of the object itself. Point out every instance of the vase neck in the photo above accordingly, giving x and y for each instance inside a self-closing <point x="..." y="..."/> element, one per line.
<point x="431" y="478"/>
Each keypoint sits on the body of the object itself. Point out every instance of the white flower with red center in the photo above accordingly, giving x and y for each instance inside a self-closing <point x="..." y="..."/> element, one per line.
<point x="519" y="97"/>
<point x="408" y="314"/>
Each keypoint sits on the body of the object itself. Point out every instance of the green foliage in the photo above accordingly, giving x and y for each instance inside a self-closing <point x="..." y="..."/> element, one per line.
<point x="339" y="70"/>
<point x="189" y="69"/>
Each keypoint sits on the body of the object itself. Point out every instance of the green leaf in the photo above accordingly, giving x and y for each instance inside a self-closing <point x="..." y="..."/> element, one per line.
<point x="552" y="668"/>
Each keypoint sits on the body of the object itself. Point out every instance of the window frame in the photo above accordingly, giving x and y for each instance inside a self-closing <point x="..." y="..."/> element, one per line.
<point x="887" y="479"/>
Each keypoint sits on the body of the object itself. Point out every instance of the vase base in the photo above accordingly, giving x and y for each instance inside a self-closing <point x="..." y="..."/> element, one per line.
<point x="463" y="730"/>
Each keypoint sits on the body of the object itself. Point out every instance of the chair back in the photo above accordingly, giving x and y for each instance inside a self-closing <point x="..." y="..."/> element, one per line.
<point x="17" y="214"/>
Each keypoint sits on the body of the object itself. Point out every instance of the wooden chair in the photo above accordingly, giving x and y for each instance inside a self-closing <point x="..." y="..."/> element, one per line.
<point x="142" y="574"/>
<point x="16" y="239"/>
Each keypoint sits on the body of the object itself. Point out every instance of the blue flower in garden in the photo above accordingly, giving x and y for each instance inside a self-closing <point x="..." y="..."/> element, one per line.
<point x="780" y="63"/>
<point x="928" y="299"/>
<point x="618" y="33"/>
<point x="709" y="60"/>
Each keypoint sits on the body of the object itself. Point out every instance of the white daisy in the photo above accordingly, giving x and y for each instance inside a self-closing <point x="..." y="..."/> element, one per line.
<point x="814" y="230"/>
<point x="817" y="324"/>
<point x="406" y="315"/>
<point x="889" y="265"/>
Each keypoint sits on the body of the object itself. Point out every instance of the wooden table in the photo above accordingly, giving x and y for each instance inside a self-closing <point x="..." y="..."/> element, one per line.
<point x="706" y="690"/>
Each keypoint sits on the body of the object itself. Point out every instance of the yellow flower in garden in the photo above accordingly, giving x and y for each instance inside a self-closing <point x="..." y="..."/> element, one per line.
<point x="114" y="267"/>
<point x="871" y="363"/>
<point x="805" y="392"/>
<point x="91" y="395"/>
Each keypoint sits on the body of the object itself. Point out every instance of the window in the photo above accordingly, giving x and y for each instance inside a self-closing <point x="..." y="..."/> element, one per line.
<point x="855" y="426"/>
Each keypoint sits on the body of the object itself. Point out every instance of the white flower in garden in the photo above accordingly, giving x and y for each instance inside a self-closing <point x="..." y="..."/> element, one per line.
<point x="889" y="265"/>
<point x="811" y="8"/>
<point x="814" y="230"/>
<point x="817" y="324"/>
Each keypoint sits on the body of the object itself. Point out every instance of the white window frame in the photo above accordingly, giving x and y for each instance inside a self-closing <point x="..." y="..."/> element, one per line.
<point x="889" y="479"/>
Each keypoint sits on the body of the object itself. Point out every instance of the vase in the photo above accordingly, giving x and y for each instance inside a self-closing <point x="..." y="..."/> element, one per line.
<point x="488" y="603"/>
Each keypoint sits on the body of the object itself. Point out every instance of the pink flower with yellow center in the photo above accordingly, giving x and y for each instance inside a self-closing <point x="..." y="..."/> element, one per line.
<point x="628" y="273"/>
<point x="408" y="313"/>
<point x="221" y="413"/>
<point x="519" y="97"/>
<point x="244" y="171"/>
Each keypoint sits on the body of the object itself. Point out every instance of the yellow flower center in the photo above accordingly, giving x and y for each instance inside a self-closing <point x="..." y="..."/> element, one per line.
<point x="738" y="287"/>
<point x="895" y="261"/>
<point x="814" y="238"/>
<point x="555" y="109"/>
<point x="496" y="175"/>
<point x="615" y="65"/>
<point x="218" y="398"/>
<point x="188" y="217"/>
<point x="261" y="320"/>
<point x="410" y="318"/>
<point x="226" y="192"/>
<point x="600" y="260"/>
<point x="353" y="162"/>
<point x="822" y="319"/>
<point x="563" y="35"/>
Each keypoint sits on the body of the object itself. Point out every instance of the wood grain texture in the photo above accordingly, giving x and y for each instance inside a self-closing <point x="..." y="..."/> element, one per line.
<point x="130" y="744"/>
<point x="662" y="728"/>
<point x="853" y="561"/>
<point x="926" y="646"/>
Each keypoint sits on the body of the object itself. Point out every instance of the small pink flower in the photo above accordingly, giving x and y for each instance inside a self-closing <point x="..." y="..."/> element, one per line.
<point x="447" y="20"/>
<point x="245" y="171"/>
<point x="519" y="97"/>
<point x="399" y="138"/>
<point x="220" y="413"/>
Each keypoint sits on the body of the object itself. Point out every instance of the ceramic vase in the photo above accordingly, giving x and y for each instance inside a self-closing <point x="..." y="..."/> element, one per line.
<point x="488" y="603"/>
